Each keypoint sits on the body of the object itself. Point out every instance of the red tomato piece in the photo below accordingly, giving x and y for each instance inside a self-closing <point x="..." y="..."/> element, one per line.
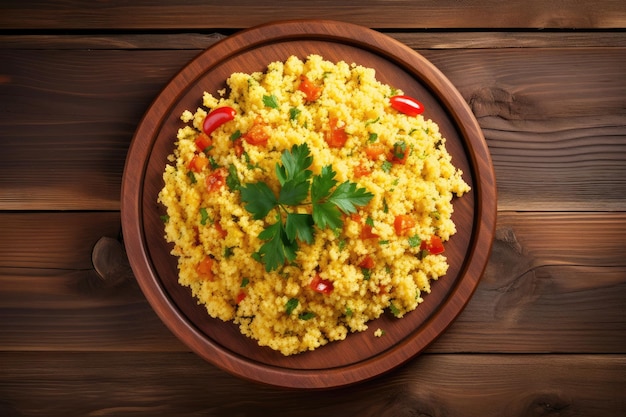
<point x="216" y="180"/>
<point x="374" y="150"/>
<point x="434" y="245"/>
<point x="367" y="262"/>
<point x="240" y="296"/>
<point x="223" y="233"/>
<point x="367" y="233"/>
<point x="361" y="171"/>
<point x="320" y="285"/>
<point x="198" y="163"/>
<point x="399" y="153"/>
<point x="403" y="223"/>
<point x="336" y="136"/>
<point x="203" y="142"/>
<point x="238" y="145"/>
<point x="204" y="268"/>
<point x="257" y="135"/>
<point x="310" y="90"/>
<point x="407" y="105"/>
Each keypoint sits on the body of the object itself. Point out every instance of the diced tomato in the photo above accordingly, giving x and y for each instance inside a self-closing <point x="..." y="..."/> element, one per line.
<point x="216" y="180"/>
<point x="198" y="163"/>
<point x="361" y="170"/>
<point x="258" y="134"/>
<point x="320" y="285"/>
<point x="374" y="150"/>
<point x="240" y="296"/>
<point x="223" y="233"/>
<point x="203" y="142"/>
<point x="399" y="153"/>
<point x="310" y="90"/>
<point x="336" y="136"/>
<point x="367" y="262"/>
<point x="403" y="223"/>
<point x="434" y="245"/>
<point x="204" y="268"/>
<point x="238" y="145"/>
<point x="367" y="233"/>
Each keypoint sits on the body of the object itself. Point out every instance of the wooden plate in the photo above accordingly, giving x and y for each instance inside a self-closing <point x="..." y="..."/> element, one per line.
<point x="361" y="356"/>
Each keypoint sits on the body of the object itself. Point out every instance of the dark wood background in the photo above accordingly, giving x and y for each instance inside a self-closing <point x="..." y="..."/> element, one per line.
<point x="544" y="334"/>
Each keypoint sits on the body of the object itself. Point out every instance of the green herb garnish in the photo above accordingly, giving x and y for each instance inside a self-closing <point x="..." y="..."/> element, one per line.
<point x="394" y="310"/>
<point x="307" y="315"/>
<point x="294" y="112"/>
<point x="298" y="186"/>
<point x="204" y="216"/>
<point x="414" y="241"/>
<point x="291" y="305"/>
<point x="270" y="101"/>
<point x="232" y="180"/>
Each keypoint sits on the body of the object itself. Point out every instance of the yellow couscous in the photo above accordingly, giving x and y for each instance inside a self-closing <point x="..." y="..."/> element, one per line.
<point x="305" y="200"/>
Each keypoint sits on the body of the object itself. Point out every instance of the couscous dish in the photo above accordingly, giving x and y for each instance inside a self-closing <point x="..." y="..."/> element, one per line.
<point x="305" y="200"/>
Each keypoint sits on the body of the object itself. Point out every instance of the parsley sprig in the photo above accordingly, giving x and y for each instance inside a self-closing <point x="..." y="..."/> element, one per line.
<point x="299" y="187"/>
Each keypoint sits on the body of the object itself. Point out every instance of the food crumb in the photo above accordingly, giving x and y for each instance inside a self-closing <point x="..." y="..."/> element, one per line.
<point x="379" y="332"/>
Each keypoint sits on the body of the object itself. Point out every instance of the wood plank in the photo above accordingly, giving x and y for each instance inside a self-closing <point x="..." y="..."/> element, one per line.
<point x="549" y="309"/>
<point x="78" y="384"/>
<point x="65" y="240"/>
<point x="118" y="14"/>
<point x="417" y="40"/>
<point x="553" y="119"/>
<point x="60" y="310"/>
<point x="545" y="290"/>
<point x="62" y="240"/>
<point x="88" y="106"/>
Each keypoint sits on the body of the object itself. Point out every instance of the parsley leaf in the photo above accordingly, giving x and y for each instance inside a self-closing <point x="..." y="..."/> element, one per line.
<point x="296" y="182"/>
<point x="259" y="198"/>
<point x="294" y="112"/>
<point x="278" y="247"/>
<point x="295" y="164"/>
<point x="322" y="183"/>
<point x="307" y="315"/>
<point x="291" y="305"/>
<point x="204" y="216"/>
<point x="299" y="226"/>
<point x="347" y="196"/>
<point x="293" y="192"/>
<point x="326" y="214"/>
<point x="232" y="180"/>
<point x="270" y="101"/>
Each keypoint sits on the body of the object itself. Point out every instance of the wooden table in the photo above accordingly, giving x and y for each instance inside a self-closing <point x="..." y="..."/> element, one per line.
<point x="545" y="332"/>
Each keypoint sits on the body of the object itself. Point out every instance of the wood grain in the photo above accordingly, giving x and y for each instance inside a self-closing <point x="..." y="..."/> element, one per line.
<point x="81" y="384"/>
<point x="546" y="80"/>
<point x="545" y="290"/>
<point x="465" y="39"/>
<point x="404" y="14"/>
<point x="553" y="119"/>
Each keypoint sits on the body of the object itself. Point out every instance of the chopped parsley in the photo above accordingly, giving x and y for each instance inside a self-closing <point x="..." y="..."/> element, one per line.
<point x="204" y="216"/>
<point x="291" y="305"/>
<point x="270" y="101"/>
<point x="307" y="315"/>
